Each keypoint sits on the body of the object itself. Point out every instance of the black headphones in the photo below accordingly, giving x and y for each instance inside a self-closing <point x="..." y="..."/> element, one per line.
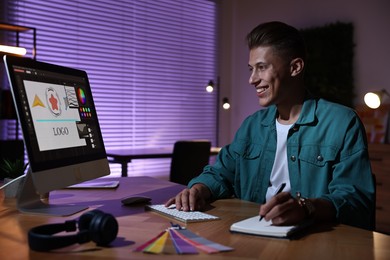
<point x="95" y="225"/>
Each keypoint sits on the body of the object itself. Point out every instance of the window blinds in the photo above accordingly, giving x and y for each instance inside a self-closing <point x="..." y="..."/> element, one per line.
<point x="148" y="63"/>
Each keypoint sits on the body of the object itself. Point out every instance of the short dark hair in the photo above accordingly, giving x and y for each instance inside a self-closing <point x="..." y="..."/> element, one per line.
<point x="286" y="40"/>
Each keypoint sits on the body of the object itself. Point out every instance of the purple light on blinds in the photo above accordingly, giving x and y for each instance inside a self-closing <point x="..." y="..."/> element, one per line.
<point x="148" y="63"/>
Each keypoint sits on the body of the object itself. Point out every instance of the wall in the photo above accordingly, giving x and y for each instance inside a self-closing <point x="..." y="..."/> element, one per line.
<point x="372" y="37"/>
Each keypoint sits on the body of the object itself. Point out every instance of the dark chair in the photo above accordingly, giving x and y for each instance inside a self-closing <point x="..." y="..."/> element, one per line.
<point x="188" y="160"/>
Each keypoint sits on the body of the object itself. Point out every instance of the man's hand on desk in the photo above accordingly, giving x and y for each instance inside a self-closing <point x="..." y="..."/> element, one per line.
<point x="191" y="199"/>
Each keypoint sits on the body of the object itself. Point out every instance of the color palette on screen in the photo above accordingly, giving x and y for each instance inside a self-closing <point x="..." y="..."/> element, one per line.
<point x="81" y="96"/>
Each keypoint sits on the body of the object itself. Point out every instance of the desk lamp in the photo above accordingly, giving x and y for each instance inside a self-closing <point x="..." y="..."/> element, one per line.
<point x="375" y="99"/>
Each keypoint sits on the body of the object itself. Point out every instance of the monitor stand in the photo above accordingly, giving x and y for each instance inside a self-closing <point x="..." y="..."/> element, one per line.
<point x="29" y="201"/>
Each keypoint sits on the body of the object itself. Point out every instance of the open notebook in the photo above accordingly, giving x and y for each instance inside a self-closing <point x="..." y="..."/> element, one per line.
<point x="265" y="228"/>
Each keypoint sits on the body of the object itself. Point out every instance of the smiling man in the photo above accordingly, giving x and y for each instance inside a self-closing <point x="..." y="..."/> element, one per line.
<point x="316" y="150"/>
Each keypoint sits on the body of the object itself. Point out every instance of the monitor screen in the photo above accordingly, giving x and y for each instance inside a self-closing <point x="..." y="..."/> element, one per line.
<point x="59" y="122"/>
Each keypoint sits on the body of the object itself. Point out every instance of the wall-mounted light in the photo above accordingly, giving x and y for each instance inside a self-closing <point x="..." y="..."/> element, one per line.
<point x="375" y="99"/>
<point x="225" y="103"/>
<point x="13" y="50"/>
<point x="210" y="86"/>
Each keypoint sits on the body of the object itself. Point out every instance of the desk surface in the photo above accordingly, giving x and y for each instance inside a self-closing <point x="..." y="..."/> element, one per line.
<point x="137" y="226"/>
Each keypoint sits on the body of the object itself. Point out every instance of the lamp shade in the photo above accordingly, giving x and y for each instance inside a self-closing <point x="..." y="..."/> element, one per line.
<point x="375" y="99"/>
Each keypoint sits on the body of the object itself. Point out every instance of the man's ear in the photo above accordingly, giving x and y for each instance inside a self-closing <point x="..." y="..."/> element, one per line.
<point x="296" y="66"/>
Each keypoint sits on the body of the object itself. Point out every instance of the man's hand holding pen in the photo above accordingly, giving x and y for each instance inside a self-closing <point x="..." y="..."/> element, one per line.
<point x="279" y="190"/>
<point x="282" y="209"/>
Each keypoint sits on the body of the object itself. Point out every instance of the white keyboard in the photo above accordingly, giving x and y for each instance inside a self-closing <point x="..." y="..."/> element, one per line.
<point x="183" y="216"/>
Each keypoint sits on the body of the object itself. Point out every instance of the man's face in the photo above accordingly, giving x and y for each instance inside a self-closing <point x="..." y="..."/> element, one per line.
<point x="269" y="75"/>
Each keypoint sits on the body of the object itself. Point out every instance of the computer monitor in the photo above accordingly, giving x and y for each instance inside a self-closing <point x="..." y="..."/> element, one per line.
<point x="60" y="129"/>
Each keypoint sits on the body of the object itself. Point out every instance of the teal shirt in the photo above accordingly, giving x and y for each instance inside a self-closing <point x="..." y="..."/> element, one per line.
<point x="326" y="153"/>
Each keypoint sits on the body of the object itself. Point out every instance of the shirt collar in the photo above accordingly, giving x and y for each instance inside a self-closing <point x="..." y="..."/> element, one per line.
<point x="307" y="115"/>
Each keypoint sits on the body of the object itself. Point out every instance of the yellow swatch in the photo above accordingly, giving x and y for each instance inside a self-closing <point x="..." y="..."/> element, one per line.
<point x="158" y="246"/>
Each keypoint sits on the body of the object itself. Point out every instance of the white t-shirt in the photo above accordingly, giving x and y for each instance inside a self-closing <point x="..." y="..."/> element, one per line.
<point x="279" y="172"/>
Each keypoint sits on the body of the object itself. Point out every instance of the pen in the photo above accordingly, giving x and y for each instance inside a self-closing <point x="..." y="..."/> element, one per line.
<point x="277" y="192"/>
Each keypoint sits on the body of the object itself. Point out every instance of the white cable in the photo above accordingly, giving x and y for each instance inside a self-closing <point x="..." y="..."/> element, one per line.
<point x="9" y="183"/>
<point x="21" y="176"/>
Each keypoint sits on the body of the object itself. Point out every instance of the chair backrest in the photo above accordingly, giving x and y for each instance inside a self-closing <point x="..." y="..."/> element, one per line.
<point x="188" y="160"/>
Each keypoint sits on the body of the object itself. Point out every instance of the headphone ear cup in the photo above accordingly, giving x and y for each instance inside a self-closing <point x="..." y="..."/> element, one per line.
<point x="102" y="227"/>
<point x="85" y="219"/>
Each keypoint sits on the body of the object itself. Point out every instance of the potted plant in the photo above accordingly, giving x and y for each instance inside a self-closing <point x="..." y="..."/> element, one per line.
<point x="9" y="171"/>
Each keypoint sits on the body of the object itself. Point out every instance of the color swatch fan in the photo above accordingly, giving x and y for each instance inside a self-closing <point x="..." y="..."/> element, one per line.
<point x="178" y="240"/>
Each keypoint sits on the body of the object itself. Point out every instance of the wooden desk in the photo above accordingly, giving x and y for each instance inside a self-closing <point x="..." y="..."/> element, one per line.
<point x="137" y="226"/>
<point x="124" y="156"/>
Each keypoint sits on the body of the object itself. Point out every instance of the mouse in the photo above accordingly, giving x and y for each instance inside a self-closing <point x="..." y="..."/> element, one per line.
<point x="136" y="199"/>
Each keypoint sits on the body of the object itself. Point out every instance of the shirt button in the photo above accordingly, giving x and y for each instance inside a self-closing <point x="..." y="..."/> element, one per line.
<point x="293" y="158"/>
<point x="320" y="158"/>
